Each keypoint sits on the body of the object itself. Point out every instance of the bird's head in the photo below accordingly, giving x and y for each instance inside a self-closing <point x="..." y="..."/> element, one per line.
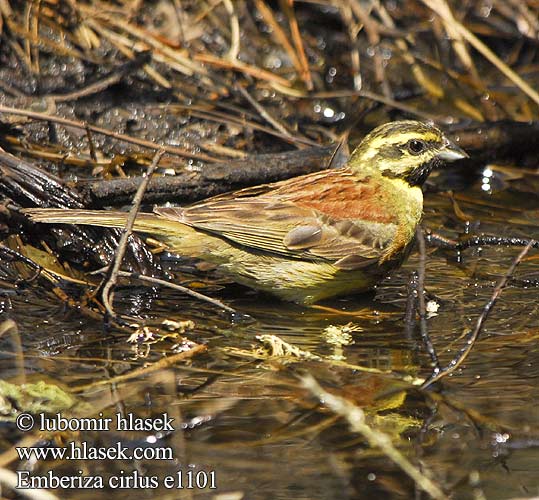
<point x="406" y="150"/>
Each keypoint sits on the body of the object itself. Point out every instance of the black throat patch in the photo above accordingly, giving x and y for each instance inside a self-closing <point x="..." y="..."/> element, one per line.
<point x="418" y="175"/>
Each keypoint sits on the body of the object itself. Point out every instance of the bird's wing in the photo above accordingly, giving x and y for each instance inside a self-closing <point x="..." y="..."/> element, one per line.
<point x="331" y="216"/>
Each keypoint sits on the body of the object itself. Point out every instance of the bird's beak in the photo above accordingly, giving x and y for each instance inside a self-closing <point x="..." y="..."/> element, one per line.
<point x="452" y="152"/>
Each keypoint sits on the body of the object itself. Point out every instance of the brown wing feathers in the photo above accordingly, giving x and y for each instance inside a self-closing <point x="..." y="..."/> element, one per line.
<point x="327" y="216"/>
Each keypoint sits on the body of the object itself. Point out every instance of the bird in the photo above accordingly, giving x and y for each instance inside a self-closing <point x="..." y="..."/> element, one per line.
<point x="321" y="235"/>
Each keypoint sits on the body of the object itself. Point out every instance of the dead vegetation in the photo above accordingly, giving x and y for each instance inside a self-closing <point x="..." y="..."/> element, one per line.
<point x="113" y="104"/>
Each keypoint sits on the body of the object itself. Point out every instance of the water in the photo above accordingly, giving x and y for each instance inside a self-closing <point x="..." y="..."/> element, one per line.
<point x="247" y="423"/>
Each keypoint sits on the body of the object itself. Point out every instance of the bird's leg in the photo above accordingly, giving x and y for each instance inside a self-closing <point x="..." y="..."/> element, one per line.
<point x="421" y="304"/>
<point x="411" y="305"/>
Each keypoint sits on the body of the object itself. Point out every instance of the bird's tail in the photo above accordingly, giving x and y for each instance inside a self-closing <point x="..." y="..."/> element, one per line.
<point x="173" y="234"/>
<point x="144" y="222"/>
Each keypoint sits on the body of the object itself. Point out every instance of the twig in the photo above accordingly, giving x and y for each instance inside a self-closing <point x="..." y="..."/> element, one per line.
<point x="278" y="33"/>
<point x="356" y="419"/>
<point x="439" y="241"/>
<point x="214" y="179"/>
<point x="234" y="30"/>
<point x="474" y="335"/>
<point x="226" y="117"/>
<point x="269" y="118"/>
<point x="107" y="292"/>
<point x="121" y="137"/>
<point x="353" y="30"/>
<point x="458" y="43"/>
<point x="288" y="7"/>
<point x="9" y="481"/>
<point x="46" y="43"/>
<point x="373" y="36"/>
<point x="14" y="254"/>
<point x="146" y="370"/>
<point x="180" y="288"/>
<point x="185" y="64"/>
<point x="91" y="146"/>
<point x="242" y="67"/>
<point x="392" y="103"/>
<point x="9" y="327"/>
<point x="104" y="83"/>
<point x="402" y="44"/>
<point x="8" y="89"/>
<point x="123" y="45"/>
<point x="438" y="7"/>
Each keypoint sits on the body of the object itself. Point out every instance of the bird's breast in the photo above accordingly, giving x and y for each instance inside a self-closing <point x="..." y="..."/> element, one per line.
<point x="407" y="202"/>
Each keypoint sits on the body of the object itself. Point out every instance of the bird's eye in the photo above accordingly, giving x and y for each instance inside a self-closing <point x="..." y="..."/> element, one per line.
<point x="415" y="147"/>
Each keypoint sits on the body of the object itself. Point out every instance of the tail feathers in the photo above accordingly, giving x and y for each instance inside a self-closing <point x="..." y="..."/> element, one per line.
<point x="144" y="222"/>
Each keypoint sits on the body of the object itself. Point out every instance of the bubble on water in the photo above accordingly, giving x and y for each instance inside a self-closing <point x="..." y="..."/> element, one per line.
<point x="329" y="113"/>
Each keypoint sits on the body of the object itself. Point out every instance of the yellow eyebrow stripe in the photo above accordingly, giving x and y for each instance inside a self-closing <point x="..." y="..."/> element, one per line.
<point x="375" y="144"/>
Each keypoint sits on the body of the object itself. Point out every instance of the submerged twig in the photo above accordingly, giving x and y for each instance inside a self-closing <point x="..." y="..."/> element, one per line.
<point x="6" y="251"/>
<point x="100" y="85"/>
<point x="374" y="39"/>
<point x="353" y="31"/>
<point x="474" y="335"/>
<point x="146" y="370"/>
<point x="180" y="288"/>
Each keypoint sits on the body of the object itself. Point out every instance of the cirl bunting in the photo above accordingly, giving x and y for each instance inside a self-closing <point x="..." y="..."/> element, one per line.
<point x="311" y="237"/>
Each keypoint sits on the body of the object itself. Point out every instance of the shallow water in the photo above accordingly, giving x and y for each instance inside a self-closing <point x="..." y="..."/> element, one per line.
<point x="249" y="420"/>
<point x="243" y="421"/>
